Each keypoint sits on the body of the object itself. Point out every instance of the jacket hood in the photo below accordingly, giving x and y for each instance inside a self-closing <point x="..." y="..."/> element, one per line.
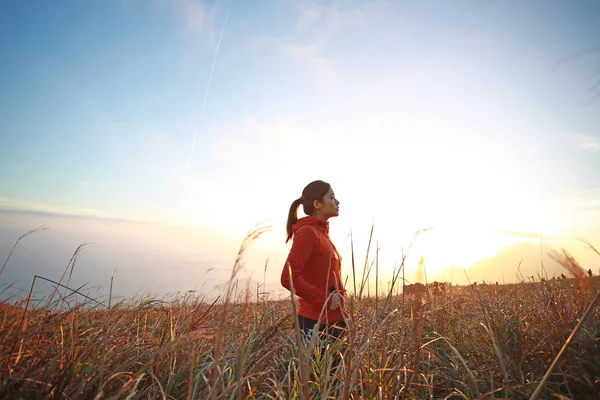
<point x="310" y="220"/>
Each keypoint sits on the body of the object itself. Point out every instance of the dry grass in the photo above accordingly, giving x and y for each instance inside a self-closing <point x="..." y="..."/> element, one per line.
<point x="483" y="341"/>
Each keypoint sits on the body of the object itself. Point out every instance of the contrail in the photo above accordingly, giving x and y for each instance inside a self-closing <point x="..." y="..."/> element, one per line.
<point x="212" y="69"/>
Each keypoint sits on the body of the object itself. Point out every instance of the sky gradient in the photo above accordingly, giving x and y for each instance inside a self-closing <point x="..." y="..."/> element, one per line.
<point x="479" y="119"/>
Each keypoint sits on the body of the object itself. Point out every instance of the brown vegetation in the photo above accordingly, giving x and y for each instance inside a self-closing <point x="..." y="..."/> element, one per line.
<point x="477" y="341"/>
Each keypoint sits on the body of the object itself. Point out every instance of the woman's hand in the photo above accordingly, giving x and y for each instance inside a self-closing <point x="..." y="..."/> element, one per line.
<point x="336" y="301"/>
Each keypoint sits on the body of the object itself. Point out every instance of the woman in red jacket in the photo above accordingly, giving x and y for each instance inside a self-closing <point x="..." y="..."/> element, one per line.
<point x="314" y="263"/>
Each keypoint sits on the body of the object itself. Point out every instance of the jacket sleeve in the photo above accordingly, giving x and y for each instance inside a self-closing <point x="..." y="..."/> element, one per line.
<point x="304" y="242"/>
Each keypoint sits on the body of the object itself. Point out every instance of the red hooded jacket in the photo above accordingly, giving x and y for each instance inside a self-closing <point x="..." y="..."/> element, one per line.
<point x="316" y="270"/>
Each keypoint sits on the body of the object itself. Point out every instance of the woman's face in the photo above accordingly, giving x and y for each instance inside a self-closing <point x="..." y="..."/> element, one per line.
<point x="330" y="206"/>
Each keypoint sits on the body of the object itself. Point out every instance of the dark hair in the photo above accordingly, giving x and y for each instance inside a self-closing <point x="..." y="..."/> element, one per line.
<point x="315" y="190"/>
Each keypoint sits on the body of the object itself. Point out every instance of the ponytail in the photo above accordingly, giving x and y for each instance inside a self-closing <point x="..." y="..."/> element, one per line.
<point x="292" y="218"/>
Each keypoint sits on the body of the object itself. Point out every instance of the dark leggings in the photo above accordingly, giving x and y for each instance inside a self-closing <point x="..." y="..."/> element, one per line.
<point x="328" y="334"/>
<point x="333" y="331"/>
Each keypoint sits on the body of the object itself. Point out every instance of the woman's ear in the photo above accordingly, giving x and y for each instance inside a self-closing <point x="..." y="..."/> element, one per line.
<point x="317" y="205"/>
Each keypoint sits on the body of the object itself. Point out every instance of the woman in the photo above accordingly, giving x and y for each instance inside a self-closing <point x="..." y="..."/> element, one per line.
<point x="314" y="263"/>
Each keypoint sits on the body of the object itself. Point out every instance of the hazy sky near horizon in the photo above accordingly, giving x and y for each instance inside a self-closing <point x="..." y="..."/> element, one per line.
<point x="471" y="117"/>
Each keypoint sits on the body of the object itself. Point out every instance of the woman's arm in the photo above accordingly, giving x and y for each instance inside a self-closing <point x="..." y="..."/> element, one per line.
<point x="305" y="241"/>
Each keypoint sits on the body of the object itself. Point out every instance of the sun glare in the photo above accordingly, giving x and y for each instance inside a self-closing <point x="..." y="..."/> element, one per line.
<point x="456" y="246"/>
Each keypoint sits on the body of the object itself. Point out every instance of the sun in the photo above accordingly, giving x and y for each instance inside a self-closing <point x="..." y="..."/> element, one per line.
<point x="457" y="246"/>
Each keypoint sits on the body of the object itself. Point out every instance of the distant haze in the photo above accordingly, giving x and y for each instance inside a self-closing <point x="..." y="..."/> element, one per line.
<point x="143" y="258"/>
<point x="151" y="259"/>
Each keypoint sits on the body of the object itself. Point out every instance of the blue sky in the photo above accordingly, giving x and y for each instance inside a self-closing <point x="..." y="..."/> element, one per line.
<point x="467" y="116"/>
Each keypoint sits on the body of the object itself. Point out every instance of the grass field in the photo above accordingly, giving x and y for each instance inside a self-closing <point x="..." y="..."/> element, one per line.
<point x="478" y="341"/>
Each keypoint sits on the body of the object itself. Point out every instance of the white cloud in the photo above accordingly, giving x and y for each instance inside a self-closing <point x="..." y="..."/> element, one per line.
<point x="309" y="15"/>
<point x="18" y="205"/>
<point x="195" y="15"/>
<point x="22" y="205"/>
<point x="310" y="57"/>
<point x="317" y="25"/>
<point x="323" y="21"/>
<point x="586" y="142"/>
